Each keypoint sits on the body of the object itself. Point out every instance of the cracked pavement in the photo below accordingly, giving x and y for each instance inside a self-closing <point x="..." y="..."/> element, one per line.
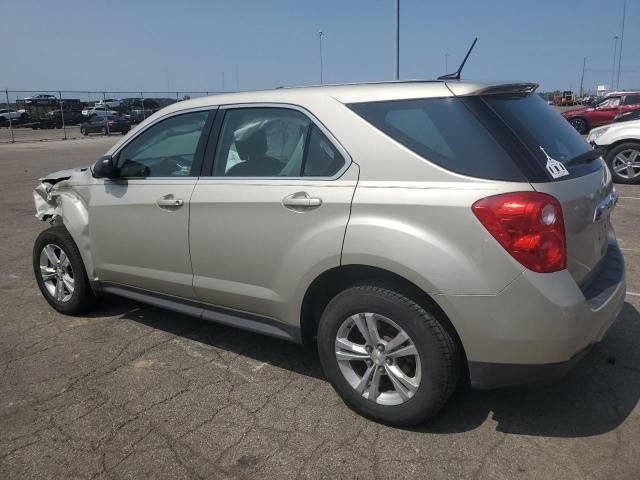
<point x="132" y="391"/>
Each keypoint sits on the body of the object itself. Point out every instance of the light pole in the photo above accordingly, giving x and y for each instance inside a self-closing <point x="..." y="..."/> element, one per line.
<point x="615" y="50"/>
<point x="624" y="13"/>
<point x="584" y="65"/>
<point x="320" y="35"/>
<point x="396" y="41"/>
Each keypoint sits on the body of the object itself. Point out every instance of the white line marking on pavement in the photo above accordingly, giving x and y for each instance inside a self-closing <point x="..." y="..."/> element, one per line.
<point x="633" y="294"/>
<point x="630" y="198"/>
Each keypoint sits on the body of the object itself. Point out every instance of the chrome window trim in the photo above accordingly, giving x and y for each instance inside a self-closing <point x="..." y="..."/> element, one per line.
<point x="289" y="106"/>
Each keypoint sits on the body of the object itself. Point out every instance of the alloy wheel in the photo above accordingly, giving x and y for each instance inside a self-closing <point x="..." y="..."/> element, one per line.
<point x="56" y="272"/>
<point x="626" y="164"/>
<point x="378" y="358"/>
<point x="579" y="124"/>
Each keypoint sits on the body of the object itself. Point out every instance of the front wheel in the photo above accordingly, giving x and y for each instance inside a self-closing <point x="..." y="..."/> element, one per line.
<point x="624" y="162"/>
<point x="388" y="357"/>
<point x="83" y="131"/>
<point x="60" y="272"/>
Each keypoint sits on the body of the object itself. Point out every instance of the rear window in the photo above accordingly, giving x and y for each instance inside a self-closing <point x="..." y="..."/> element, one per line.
<point x="445" y="132"/>
<point x="543" y="131"/>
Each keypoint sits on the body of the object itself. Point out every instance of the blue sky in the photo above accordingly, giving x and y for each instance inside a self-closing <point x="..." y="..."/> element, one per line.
<point x="188" y="45"/>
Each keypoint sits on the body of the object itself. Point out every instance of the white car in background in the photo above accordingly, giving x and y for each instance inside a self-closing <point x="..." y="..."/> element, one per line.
<point x="41" y="98"/>
<point x="99" y="111"/>
<point x="110" y="103"/>
<point x="621" y="143"/>
<point x="5" y="114"/>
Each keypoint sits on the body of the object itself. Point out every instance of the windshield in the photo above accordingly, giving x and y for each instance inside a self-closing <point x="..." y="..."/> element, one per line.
<point x="546" y="135"/>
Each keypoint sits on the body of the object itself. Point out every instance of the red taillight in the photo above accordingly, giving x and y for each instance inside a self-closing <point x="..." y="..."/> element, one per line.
<point x="529" y="225"/>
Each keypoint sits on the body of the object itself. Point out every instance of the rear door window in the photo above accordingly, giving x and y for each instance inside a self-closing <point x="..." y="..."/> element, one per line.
<point x="632" y="99"/>
<point x="445" y="132"/>
<point x="273" y="142"/>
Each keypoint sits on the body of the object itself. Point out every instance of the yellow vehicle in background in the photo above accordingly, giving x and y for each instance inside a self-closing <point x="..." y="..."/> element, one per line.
<point x="568" y="99"/>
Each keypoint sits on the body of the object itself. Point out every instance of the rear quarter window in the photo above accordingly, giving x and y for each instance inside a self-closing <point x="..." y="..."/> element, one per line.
<point x="543" y="132"/>
<point x="445" y="132"/>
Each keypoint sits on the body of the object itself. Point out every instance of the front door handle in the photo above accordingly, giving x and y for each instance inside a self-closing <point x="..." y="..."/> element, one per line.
<point x="301" y="201"/>
<point x="169" y="202"/>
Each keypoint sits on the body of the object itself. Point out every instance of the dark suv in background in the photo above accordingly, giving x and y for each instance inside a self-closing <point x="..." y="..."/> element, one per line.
<point x="138" y="109"/>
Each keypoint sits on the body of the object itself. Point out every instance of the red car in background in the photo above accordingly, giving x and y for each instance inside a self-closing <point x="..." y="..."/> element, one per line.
<point x="615" y="103"/>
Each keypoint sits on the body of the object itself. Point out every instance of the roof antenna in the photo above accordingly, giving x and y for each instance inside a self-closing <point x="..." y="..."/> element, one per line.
<point x="456" y="75"/>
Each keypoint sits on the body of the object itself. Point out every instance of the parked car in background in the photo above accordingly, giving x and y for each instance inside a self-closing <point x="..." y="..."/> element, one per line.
<point x="585" y="118"/>
<point x="71" y="117"/>
<point x="41" y="98"/>
<point x="99" y="111"/>
<point x="112" y="103"/>
<point x="621" y="145"/>
<point x="106" y="125"/>
<point x="139" y="109"/>
<point x="627" y="116"/>
<point x="6" y="115"/>
<point x="483" y="252"/>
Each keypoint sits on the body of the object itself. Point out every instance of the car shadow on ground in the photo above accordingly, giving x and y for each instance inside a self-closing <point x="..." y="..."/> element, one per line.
<point x="594" y="398"/>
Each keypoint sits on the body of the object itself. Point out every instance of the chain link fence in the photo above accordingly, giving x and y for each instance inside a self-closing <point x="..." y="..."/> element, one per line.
<point x="27" y="115"/>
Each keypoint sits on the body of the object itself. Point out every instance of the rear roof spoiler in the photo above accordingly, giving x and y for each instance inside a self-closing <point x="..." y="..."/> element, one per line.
<point x="507" y="88"/>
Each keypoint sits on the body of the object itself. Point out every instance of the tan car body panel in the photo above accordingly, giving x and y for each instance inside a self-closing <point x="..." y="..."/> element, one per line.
<point x="135" y="242"/>
<point x="251" y="253"/>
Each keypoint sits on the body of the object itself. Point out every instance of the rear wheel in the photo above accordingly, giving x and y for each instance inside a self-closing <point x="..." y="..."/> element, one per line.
<point x="388" y="357"/>
<point x="624" y="162"/>
<point x="83" y="131"/>
<point x="60" y="272"/>
<point x="580" y="124"/>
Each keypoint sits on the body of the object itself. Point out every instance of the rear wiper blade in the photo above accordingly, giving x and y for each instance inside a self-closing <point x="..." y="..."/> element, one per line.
<point x="586" y="157"/>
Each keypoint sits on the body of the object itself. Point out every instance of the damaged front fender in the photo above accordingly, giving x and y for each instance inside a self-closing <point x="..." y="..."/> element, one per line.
<point x="63" y="197"/>
<point x="46" y="200"/>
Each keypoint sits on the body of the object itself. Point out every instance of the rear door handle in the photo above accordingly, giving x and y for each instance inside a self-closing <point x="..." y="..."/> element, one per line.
<point x="169" y="202"/>
<point x="301" y="201"/>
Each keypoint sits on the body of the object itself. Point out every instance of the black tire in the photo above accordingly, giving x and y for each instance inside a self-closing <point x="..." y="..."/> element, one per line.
<point x="125" y="132"/>
<point x="83" y="131"/>
<point x="580" y="124"/>
<point x="82" y="297"/>
<point x="105" y="132"/>
<point x="437" y="351"/>
<point x="631" y="177"/>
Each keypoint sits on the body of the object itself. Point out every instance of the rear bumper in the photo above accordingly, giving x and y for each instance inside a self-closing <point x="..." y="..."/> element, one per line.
<point x="494" y="375"/>
<point x="540" y="326"/>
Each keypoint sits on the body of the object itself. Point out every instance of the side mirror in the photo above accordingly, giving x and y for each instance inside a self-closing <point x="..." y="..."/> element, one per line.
<point x="105" y="167"/>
